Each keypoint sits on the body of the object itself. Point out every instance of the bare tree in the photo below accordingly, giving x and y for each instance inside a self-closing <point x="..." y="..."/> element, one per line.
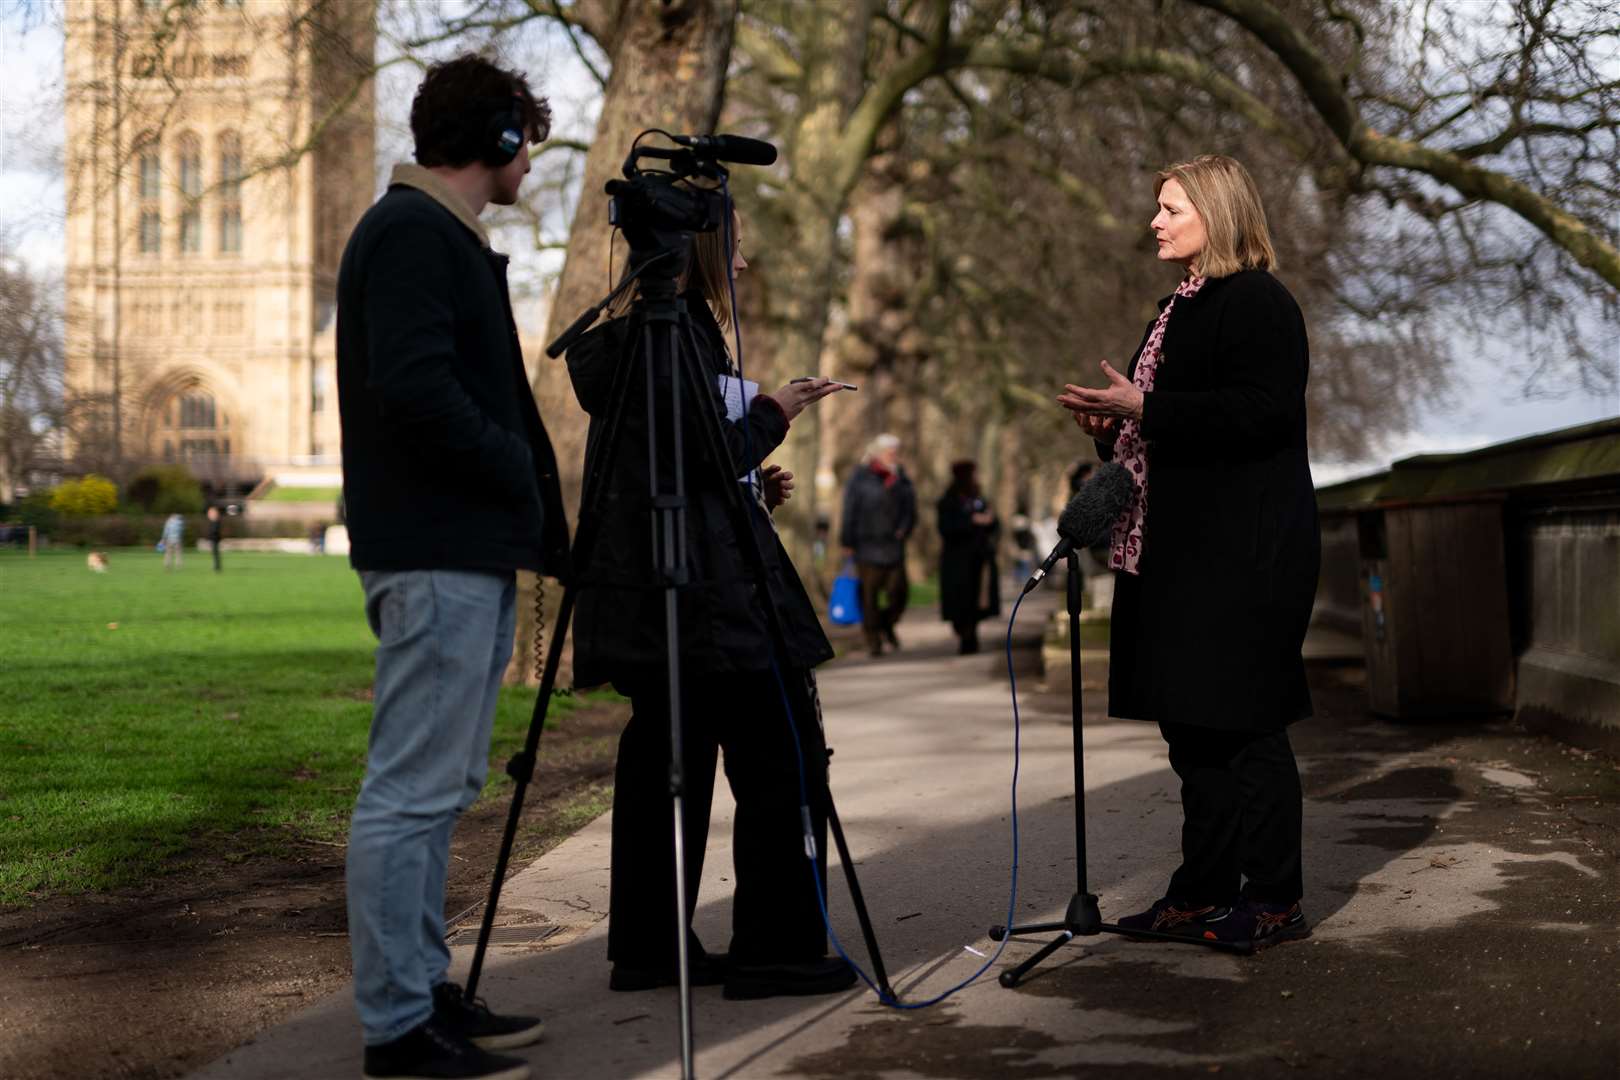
<point x="31" y="402"/>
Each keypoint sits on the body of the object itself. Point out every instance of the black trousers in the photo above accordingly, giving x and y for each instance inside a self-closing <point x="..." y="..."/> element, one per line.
<point x="1242" y="811"/>
<point x="775" y="917"/>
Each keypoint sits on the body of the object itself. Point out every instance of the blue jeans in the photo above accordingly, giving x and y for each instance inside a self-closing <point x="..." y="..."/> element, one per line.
<point x="444" y="637"/>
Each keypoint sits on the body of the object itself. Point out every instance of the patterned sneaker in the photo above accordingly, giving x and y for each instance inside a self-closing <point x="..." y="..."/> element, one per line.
<point x="1270" y="924"/>
<point x="1172" y="916"/>
<point x="471" y="1019"/>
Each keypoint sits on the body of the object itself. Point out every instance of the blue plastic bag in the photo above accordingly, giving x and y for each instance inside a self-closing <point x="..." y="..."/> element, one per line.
<point x="844" y="606"/>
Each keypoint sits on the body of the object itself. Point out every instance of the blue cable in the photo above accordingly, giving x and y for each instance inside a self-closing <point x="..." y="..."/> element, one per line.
<point x="890" y="999"/>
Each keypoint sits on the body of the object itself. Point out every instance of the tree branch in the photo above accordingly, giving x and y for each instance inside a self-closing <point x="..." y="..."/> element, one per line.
<point x="1326" y="90"/>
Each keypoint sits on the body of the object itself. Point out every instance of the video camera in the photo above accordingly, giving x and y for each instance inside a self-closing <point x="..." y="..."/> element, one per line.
<point x="655" y="208"/>
<point x="658" y="209"/>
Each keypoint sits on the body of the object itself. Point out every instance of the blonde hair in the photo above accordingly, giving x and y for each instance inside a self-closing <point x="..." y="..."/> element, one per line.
<point x="1224" y="194"/>
<point x="877" y="446"/>
<point x="707" y="263"/>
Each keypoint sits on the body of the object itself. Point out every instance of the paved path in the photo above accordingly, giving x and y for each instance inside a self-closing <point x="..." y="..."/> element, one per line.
<point x="1463" y="882"/>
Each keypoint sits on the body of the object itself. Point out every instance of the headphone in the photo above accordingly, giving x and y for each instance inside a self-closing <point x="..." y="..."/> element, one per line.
<point x="503" y="136"/>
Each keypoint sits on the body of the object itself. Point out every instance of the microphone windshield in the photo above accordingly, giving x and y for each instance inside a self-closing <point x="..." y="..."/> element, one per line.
<point x="1089" y="518"/>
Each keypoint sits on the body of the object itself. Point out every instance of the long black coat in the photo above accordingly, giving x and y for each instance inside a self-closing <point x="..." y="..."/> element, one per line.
<point x="1210" y="632"/>
<point x="619" y="613"/>
<point x="967" y="559"/>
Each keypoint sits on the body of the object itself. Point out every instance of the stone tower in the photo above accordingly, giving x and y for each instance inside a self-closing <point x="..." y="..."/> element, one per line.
<point x="218" y="153"/>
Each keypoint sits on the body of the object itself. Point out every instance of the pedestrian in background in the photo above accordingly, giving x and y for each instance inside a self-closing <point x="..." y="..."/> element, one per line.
<point x="216" y="528"/>
<point x="968" y="527"/>
<point x="174" y="540"/>
<point x="880" y="512"/>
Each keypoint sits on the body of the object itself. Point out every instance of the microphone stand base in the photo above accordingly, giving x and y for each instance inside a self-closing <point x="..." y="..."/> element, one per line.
<point x="1083" y="919"/>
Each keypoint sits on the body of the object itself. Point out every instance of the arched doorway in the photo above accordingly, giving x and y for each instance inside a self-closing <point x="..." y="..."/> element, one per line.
<point x="190" y="426"/>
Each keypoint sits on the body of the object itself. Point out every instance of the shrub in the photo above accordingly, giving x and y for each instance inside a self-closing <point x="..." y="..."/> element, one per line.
<point x="166" y="489"/>
<point x="35" y="510"/>
<point x="84" y="497"/>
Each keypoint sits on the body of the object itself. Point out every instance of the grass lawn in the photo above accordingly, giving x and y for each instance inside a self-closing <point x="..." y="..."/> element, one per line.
<point x="149" y="719"/>
<point x="303" y="494"/>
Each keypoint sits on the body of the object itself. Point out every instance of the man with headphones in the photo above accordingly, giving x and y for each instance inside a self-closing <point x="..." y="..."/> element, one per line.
<point x="450" y="486"/>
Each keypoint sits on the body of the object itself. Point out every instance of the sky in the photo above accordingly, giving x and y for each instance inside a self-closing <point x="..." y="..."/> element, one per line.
<point x="1488" y="403"/>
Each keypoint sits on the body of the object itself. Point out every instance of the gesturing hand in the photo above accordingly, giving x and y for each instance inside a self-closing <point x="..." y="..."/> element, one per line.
<point x="1101" y="428"/>
<point x="778" y="486"/>
<point x="796" y="396"/>
<point x="1120" y="398"/>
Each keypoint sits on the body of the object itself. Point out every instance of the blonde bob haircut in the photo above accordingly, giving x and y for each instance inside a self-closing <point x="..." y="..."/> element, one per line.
<point x="1223" y="193"/>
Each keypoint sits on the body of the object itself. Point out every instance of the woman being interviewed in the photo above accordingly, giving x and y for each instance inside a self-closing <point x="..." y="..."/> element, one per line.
<point x="1217" y="555"/>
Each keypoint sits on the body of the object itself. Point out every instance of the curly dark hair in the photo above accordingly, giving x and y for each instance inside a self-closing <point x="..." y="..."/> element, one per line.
<point x="451" y="108"/>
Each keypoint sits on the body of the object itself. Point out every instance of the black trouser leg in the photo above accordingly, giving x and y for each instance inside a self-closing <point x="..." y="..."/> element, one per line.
<point x="1241" y="815"/>
<point x="641" y="905"/>
<point x="1271" y="840"/>
<point x="1211" y="807"/>
<point x="775" y="916"/>
<point x="215" y="545"/>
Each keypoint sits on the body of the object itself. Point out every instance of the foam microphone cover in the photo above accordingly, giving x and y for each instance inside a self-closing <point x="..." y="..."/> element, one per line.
<point x="1089" y="518"/>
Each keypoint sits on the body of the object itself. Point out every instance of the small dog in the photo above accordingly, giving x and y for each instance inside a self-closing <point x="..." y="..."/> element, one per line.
<point x="96" y="561"/>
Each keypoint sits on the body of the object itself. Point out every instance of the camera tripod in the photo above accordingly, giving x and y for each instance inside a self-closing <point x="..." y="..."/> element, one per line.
<point x="1083" y="918"/>
<point x="667" y="359"/>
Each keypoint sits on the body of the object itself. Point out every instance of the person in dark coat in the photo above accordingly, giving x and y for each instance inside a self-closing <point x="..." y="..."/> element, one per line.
<point x="968" y="587"/>
<point x="1217" y="556"/>
<point x="731" y="697"/>
<point x="450" y="487"/>
<point x="880" y="513"/>
<point x="216" y="530"/>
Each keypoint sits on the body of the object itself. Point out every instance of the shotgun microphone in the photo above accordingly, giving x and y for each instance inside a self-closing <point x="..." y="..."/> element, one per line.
<point x="1089" y="518"/>
<point x="734" y="148"/>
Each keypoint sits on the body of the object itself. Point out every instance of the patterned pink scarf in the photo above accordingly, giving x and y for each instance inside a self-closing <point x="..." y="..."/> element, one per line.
<point x="1131" y="451"/>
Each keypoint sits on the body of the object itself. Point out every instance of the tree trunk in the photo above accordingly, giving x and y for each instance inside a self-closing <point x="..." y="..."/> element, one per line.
<point x="669" y="60"/>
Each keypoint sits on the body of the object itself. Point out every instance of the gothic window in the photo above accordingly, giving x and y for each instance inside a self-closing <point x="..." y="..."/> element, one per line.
<point x="190" y="425"/>
<point x="149" y="189"/>
<point x="190" y="156"/>
<point x="151" y="232"/>
<point x="230" y="193"/>
<point x="150" y="171"/>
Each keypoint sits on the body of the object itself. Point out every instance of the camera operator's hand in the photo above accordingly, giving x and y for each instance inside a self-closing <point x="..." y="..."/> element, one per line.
<point x="796" y="396"/>
<point x="778" y="486"/>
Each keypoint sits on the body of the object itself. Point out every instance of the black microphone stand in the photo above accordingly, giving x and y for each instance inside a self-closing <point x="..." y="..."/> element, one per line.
<point x="1083" y="918"/>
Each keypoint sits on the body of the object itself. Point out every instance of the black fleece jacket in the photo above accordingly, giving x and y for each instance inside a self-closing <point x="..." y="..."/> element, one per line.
<point x="446" y="464"/>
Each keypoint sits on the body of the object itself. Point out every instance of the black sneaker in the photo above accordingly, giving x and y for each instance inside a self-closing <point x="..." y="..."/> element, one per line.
<point x="1272" y="924"/>
<point x="429" y="1052"/>
<point x="471" y="1019"/>
<point x="707" y="970"/>
<point x="750" y="981"/>
<point x="892" y="638"/>
<point x="1171" y="916"/>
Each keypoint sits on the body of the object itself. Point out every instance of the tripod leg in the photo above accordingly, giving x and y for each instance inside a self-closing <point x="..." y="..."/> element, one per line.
<point x="521" y="769"/>
<point x="859" y="900"/>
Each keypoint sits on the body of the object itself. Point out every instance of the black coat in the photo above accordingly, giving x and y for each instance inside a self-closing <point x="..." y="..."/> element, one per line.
<point x="619" y="617"/>
<point x="1210" y="632"/>
<point x="446" y="464"/>
<point x="967" y="559"/>
<point x="878" y="517"/>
